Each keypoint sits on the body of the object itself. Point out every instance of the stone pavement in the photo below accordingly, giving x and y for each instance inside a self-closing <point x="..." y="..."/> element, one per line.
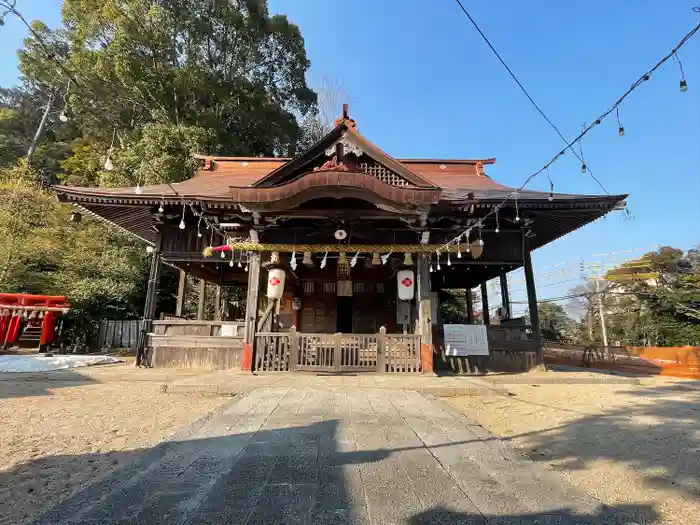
<point x="281" y="455"/>
<point x="229" y="382"/>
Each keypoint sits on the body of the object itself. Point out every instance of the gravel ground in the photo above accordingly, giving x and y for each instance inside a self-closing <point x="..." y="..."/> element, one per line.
<point x="622" y="443"/>
<point x="59" y="435"/>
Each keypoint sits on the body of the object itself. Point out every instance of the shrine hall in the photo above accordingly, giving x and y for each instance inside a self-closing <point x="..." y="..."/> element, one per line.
<point x="343" y="251"/>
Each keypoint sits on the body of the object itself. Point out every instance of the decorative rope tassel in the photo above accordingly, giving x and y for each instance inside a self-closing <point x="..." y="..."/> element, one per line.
<point x="307" y="260"/>
<point x="375" y="259"/>
<point x="407" y="259"/>
<point x="343" y="267"/>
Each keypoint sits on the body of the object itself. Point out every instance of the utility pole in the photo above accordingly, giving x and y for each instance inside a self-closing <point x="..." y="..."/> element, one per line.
<point x="601" y="311"/>
<point x="40" y="129"/>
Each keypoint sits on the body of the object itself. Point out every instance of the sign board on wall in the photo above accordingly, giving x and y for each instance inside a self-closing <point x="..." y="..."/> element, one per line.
<point x="465" y="339"/>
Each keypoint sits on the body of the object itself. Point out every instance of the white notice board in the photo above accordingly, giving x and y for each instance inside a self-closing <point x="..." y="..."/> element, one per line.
<point x="465" y="339"/>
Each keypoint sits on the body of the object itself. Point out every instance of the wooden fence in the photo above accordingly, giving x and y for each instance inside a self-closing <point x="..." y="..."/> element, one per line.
<point x="119" y="334"/>
<point x="292" y="351"/>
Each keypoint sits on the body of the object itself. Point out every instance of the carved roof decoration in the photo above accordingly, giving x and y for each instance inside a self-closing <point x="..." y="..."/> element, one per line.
<point x="344" y="133"/>
<point x="349" y="147"/>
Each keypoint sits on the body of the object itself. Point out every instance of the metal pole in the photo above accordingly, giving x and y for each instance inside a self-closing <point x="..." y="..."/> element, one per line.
<point x="40" y="129"/>
<point x="601" y="312"/>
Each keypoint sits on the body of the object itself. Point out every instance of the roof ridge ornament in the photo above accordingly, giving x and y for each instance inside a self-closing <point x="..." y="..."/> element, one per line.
<point x="345" y="119"/>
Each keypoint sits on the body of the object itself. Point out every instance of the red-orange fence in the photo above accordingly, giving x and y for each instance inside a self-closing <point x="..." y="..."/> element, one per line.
<point x="667" y="361"/>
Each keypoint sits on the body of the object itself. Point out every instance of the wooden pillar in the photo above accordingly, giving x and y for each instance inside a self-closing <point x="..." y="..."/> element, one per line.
<point x="425" y="323"/>
<point x="505" y="296"/>
<point x="251" y="311"/>
<point x="470" y="305"/>
<point x="485" y="303"/>
<point x="202" y="297"/>
<point x="217" y="303"/>
<point x="532" y="304"/>
<point x="181" y="283"/>
<point x="150" y="305"/>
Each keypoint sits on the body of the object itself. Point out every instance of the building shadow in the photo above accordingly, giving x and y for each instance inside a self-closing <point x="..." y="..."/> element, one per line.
<point x="29" y="384"/>
<point x="655" y="434"/>
<point x="306" y="474"/>
<point x="605" y="515"/>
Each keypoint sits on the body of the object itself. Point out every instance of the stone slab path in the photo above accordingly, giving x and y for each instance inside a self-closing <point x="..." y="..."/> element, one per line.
<point x="332" y="456"/>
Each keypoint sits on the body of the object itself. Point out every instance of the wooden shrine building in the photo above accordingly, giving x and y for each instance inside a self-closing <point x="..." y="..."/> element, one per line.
<point x="343" y="249"/>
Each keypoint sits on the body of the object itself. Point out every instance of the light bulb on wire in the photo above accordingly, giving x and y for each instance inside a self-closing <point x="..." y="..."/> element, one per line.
<point x="182" y="219"/>
<point x="620" y="127"/>
<point x="584" y="168"/>
<point x="684" y="84"/>
<point x="109" y="166"/>
<point x="438" y="261"/>
<point x="63" y="117"/>
<point x="230" y="263"/>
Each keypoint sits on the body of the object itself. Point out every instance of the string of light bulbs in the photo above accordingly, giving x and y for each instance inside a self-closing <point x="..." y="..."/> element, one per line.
<point x="584" y="167"/>
<point x="586" y="129"/>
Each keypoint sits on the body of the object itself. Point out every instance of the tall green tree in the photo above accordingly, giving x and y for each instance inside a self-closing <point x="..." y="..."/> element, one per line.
<point x="201" y="75"/>
<point x="555" y="324"/>
<point x="147" y="83"/>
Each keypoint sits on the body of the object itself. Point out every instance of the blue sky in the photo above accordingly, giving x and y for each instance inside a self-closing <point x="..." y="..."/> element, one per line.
<point x="421" y="83"/>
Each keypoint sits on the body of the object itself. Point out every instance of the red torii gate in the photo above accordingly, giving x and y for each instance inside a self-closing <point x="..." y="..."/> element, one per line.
<point x="15" y="306"/>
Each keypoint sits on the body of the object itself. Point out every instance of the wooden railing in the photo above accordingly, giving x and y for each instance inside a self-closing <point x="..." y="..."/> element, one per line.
<point x="272" y="351"/>
<point x="198" y="327"/>
<point x="277" y="352"/>
<point x="510" y="338"/>
<point x="401" y="353"/>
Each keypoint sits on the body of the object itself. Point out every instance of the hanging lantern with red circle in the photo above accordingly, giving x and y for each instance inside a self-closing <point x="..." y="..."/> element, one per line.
<point x="406" y="284"/>
<point x="275" y="283"/>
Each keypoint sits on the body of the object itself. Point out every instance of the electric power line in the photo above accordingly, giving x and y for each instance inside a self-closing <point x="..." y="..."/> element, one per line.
<point x="645" y="77"/>
<point x="522" y="88"/>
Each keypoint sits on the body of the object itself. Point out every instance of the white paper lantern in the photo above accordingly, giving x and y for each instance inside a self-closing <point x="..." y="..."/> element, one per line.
<point x="406" y="284"/>
<point x="275" y="283"/>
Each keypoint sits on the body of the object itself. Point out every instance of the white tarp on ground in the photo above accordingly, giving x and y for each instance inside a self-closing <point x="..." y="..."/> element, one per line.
<point x="39" y="363"/>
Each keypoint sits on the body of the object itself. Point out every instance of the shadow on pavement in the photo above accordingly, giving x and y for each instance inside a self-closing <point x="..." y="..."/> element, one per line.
<point x="306" y="474"/>
<point x="656" y="434"/>
<point x="443" y="516"/>
<point x="39" y="383"/>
